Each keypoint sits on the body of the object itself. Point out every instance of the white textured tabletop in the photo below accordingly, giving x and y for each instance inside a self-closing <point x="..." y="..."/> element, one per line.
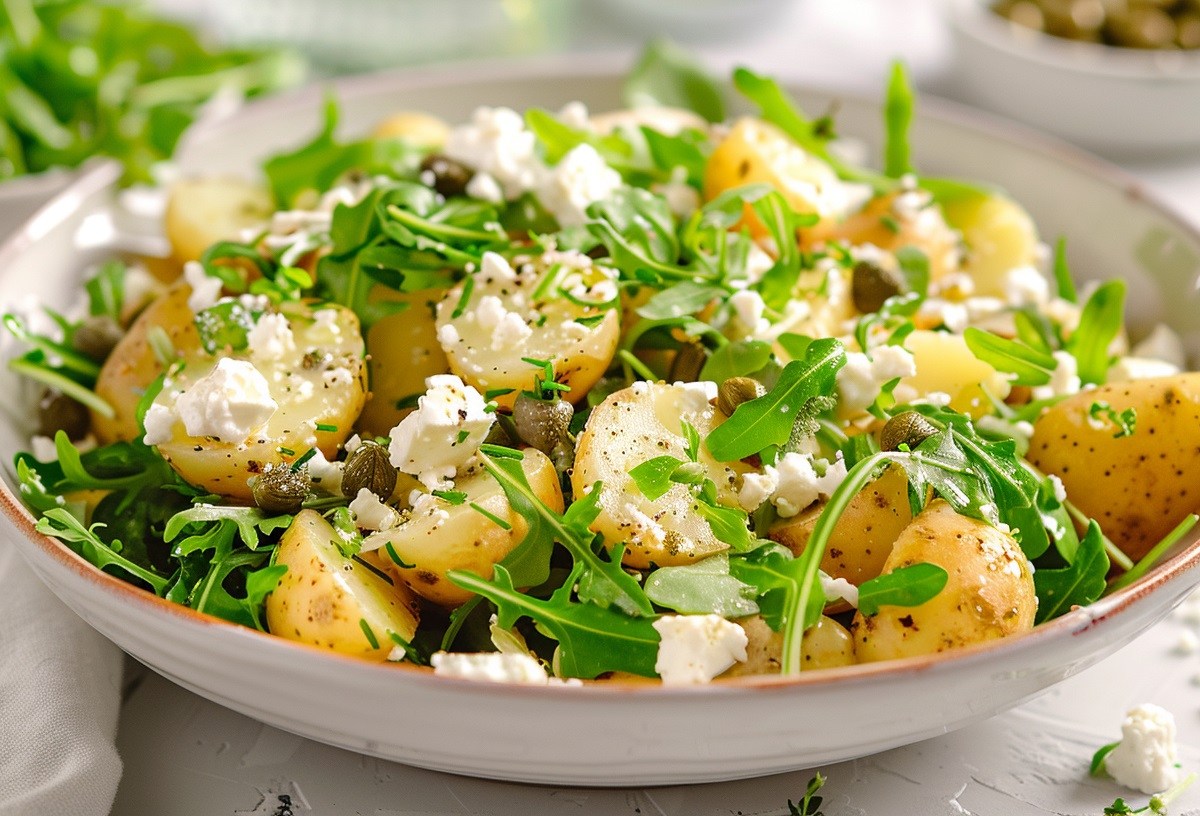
<point x="185" y="756"/>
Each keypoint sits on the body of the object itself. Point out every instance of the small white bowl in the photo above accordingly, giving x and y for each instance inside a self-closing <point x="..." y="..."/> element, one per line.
<point x="1121" y="102"/>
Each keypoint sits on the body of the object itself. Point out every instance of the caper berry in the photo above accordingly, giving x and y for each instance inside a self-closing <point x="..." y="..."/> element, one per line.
<point x="736" y="390"/>
<point x="1154" y="24"/>
<point x="97" y="336"/>
<point x="542" y="424"/>
<point x="58" y="412"/>
<point x="369" y="466"/>
<point x="688" y="363"/>
<point x="1141" y="26"/>
<point x="908" y="428"/>
<point x="449" y="177"/>
<point x="281" y="490"/>
<point x="871" y="285"/>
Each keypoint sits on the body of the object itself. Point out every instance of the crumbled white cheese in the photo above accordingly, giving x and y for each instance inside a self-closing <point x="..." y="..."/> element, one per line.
<point x="205" y="289"/>
<point x="798" y="484"/>
<point x="271" y="337"/>
<point x="229" y="403"/>
<point x="326" y="476"/>
<point x="695" y="397"/>
<point x="748" y="309"/>
<point x="1025" y="286"/>
<point x="682" y="198"/>
<point x="485" y="188"/>
<point x="579" y="179"/>
<point x="1162" y="344"/>
<point x="43" y="448"/>
<point x="696" y="648"/>
<point x="508" y="328"/>
<point x="337" y="376"/>
<point x="575" y="114"/>
<point x="352" y="444"/>
<point x="643" y="529"/>
<point x="1064" y="380"/>
<point x="758" y="261"/>
<point x="497" y="142"/>
<point x="372" y="514"/>
<point x="1060" y="490"/>
<point x="757" y="488"/>
<point x="450" y="423"/>
<point x="1145" y="759"/>
<point x="447" y="336"/>
<point x="159" y="422"/>
<point x="861" y="378"/>
<point x="951" y="314"/>
<point x="490" y="667"/>
<point x="1020" y="431"/>
<point x="838" y="589"/>
<point x="325" y="329"/>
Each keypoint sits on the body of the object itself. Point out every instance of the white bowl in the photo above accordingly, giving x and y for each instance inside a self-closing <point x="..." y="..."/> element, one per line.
<point x="1121" y="102"/>
<point x="623" y="733"/>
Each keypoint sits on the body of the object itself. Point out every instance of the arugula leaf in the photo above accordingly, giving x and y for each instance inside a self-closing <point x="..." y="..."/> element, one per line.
<point x="684" y="298"/>
<point x="728" y="524"/>
<point x="106" y="291"/>
<point x="898" y="113"/>
<point x="905" y="586"/>
<point x="1080" y="583"/>
<point x="1029" y="366"/>
<point x="811" y="803"/>
<point x="702" y="588"/>
<point x="59" y="523"/>
<point x="638" y="230"/>
<point x="558" y="138"/>
<point x="1062" y="272"/>
<point x="1099" y="324"/>
<point x="248" y="521"/>
<point x="781" y="581"/>
<point x="781" y="222"/>
<point x="741" y="358"/>
<point x="1097" y="766"/>
<point x="1124" y="421"/>
<point x="260" y="584"/>
<point x="685" y="149"/>
<point x="768" y="420"/>
<point x="225" y="326"/>
<point x="665" y="75"/>
<point x="653" y="477"/>
<point x="601" y="581"/>
<point x="591" y="639"/>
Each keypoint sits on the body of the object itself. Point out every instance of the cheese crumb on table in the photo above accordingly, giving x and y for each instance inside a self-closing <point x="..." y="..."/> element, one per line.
<point x="1145" y="759"/>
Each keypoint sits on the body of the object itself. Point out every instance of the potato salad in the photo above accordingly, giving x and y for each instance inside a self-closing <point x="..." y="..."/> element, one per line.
<point x="553" y="396"/>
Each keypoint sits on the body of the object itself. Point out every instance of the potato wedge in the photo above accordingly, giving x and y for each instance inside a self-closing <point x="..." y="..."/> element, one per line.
<point x="825" y="646"/>
<point x="989" y="592"/>
<point x="1139" y="486"/>
<point x="415" y="127"/>
<point x="133" y="365"/>
<point x="510" y="316"/>
<point x="333" y="602"/>
<point x="402" y="350"/>
<point x="628" y="428"/>
<point x="945" y="364"/>
<point x="202" y="211"/>
<point x="862" y="538"/>
<point x="999" y="235"/>
<point x="437" y="536"/>
<point x="318" y="384"/>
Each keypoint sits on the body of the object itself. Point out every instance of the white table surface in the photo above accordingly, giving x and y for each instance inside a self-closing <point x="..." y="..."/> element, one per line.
<point x="185" y="756"/>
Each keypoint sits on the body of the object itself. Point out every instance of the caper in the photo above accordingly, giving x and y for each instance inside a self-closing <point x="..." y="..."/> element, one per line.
<point x="871" y="285"/>
<point x="1024" y="13"/>
<point x="541" y="423"/>
<point x="688" y="363"/>
<point x="1074" y="19"/>
<point x="369" y="466"/>
<point x="908" y="428"/>
<point x="1188" y="25"/>
<point x="446" y="175"/>
<point x="97" y="336"/>
<point x="281" y="490"/>
<point x="58" y="412"/>
<point x="736" y="390"/>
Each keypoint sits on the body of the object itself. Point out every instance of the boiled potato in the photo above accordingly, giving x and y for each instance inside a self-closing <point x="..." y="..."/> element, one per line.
<point x="862" y="538"/>
<point x="631" y="426"/>
<point x="1140" y="486"/>
<point x="416" y="128"/>
<point x="757" y="152"/>
<point x="438" y="536"/>
<point x="989" y="592"/>
<point x="330" y="601"/>
<point x="824" y="646"/>
<point x="318" y="385"/>
<point x="514" y="315"/>
<point x="999" y="235"/>
<point x="133" y="365"/>
<point x="945" y="364"/>
<point x="402" y="351"/>
<point x="201" y="212"/>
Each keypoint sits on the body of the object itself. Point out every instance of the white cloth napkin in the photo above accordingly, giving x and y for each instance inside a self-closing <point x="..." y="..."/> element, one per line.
<point x="60" y="694"/>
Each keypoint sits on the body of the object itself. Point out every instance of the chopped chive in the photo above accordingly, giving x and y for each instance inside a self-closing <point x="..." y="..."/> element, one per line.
<point x="890" y="223"/>
<point x="590" y="322"/>
<point x="455" y="497"/>
<point x="366" y="628"/>
<point x="463" y="299"/>
<point x="462" y="436"/>
<point x="490" y="516"/>
<point x="299" y="463"/>
<point x="1062" y="272"/>
<point x="395" y="556"/>
<point x="285" y="451"/>
<point x="411" y="401"/>
<point x="62" y="384"/>
<point x="326" y="427"/>
<point x="160" y="343"/>
<point x="492" y="393"/>
<point x="500" y="452"/>
<point x="534" y="361"/>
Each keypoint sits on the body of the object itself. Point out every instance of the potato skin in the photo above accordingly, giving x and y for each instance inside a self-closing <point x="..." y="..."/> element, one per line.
<point x="1139" y="486"/>
<point x="989" y="591"/>
<point x="457" y="537"/>
<point x="323" y="597"/>
<point x="862" y="538"/>
<point x="825" y="646"/>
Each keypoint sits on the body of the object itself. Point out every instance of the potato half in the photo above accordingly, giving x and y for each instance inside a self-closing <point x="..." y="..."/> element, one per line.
<point x="331" y="601"/>
<point x="202" y="211"/>
<point x="989" y="591"/>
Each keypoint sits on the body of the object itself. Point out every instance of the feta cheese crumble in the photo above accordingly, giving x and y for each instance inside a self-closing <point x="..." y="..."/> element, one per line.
<point x="434" y="441"/>
<point x="372" y="514"/>
<point x="205" y="289"/>
<point x="1064" y="379"/>
<point x="1145" y="759"/>
<point x="508" y="328"/>
<point x="271" y="337"/>
<point x="861" y="378"/>
<point x="791" y="484"/>
<point x="229" y="403"/>
<point x="489" y="667"/>
<point x="696" y="648"/>
<point x="579" y="179"/>
<point x="497" y="142"/>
